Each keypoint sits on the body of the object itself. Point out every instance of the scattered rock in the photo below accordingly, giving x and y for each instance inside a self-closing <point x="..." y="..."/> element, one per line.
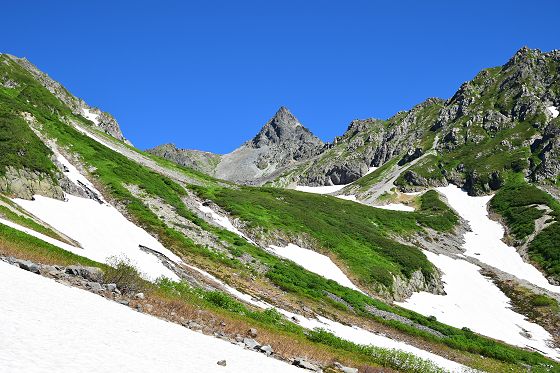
<point x="112" y="287"/>
<point x="28" y="266"/>
<point x="89" y="273"/>
<point x="140" y="296"/>
<point x="344" y="369"/>
<point x="123" y="302"/>
<point x="302" y="363"/>
<point x="252" y="333"/>
<point x="222" y="363"/>
<point x="266" y="349"/>
<point x="95" y="286"/>
<point x="251" y="343"/>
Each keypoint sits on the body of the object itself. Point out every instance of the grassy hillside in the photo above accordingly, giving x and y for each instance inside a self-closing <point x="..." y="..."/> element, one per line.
<point x="360" y="236"/>
<point x="516" y="202"/>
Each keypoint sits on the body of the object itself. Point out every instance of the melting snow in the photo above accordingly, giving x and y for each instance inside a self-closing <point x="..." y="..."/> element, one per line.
<point x="395" y="207"/>
<point x="314" y="262"/>
<point x="349" y="197"/>
<point x="74" y="175"/>
<point x="223" y="221"/>
<point x="101" y="229"/>
<point x="49" y="327"/>
<point x="474" y="301"/>
<point x="91" y="116"/>
<point x="102" y="232"/>
<point x="553" y="110"/>
<point x="325" y="189"/>
<point x="371" y="169"/>
<point x="349" y="333"/>
<point x="485" y="243"/>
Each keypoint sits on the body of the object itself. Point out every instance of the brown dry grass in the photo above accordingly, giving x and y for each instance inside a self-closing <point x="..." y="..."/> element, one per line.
<point x="285" y="345"/>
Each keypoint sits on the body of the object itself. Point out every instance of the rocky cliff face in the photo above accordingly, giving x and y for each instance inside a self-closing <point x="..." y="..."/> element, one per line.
<point x="370" y="143"/>
<point x="505" y="119"/>
<point x="281" y="143"/>
<point x="201" y="161"/>
<point x="104" y="121"/>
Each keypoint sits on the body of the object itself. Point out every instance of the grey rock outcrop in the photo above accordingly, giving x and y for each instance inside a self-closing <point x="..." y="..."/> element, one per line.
<point x="201" y="161"/>
<point x="105" y="121"/>
<point x="25" y="184"/>
<point x="282" y="142"/>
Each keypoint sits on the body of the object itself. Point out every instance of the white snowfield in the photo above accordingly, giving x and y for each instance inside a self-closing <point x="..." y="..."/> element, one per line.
<point x="473" y="301"/>
<point x="348" y="197"/>
<point x="485" y="243"/>
<point x="101" y="230"/>
<point x="222" y="221"/>
<point x="314" y="262"/>
<point x="325" y="189"/>
<point x="91" y="116"/>
<point x="50" y="327"/>
<point x="553" y="110"/>
<point x="395" y="207"/>
<point x="370" y="170"/>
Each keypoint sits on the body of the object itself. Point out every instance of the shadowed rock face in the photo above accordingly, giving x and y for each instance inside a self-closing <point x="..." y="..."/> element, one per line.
<point x="282" y="142"/>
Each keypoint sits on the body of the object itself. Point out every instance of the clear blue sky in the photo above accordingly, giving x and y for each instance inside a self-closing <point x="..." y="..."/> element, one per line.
<point x="208" y="74"/>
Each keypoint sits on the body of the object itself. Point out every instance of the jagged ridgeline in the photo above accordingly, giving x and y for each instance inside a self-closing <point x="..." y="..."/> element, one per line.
<point x="497" y="122"/>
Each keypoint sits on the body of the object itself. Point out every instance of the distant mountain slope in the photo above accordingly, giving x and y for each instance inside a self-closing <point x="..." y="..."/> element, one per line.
<point x="282" y="142"/>
<point x="199" y="160"/>
<point x="104" y="121"/>
<point x="505" y="119"/>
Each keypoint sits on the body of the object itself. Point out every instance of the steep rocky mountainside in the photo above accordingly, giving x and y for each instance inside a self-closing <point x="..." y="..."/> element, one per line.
<point x="199" y="160"/>
<point x="505" y="119"/>
<point x="281" y="143"/>
<point x="104" y="121"/>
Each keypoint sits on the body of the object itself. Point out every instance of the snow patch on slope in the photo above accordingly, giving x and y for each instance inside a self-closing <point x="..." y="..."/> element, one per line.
<point x="223" y="221"/>
<point x="485" y="243"/>
<point x="348" y="197"/>
<point x="314" y="262"/>
<point x="370" y="170"/>
<point x="349" y="333"/>
<point x="553" y="110"/>
<point x="91" y="116"/>
<point x="102" y="231"/>
<point x="49" y="327"/>
<point x="325" y="189"/>
<point x="74" y="175"/>
<point x="472" y="300"/>
<point x="395" y="207"/>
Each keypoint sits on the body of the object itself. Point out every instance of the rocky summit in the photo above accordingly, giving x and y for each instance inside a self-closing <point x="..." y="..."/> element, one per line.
<point x="506" y="118"/>
<point x="281" y="143"/>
